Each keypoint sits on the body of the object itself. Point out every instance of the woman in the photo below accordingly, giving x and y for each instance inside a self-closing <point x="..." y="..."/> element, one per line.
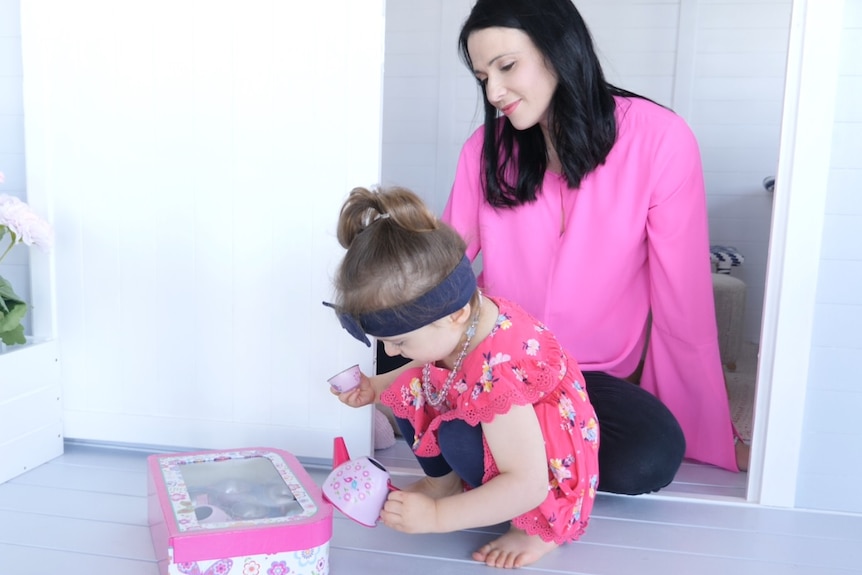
<point x="587" y="205"/>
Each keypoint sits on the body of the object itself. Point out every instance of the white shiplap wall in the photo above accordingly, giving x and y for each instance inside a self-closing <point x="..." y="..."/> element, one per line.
<point x="429" y="100"/>
<point x="719" y="63"/>
<point x="830" y="465"/>
<point x="735" y="111"/>
<point x="637" y="43"/>
<point x="197" y="154"/>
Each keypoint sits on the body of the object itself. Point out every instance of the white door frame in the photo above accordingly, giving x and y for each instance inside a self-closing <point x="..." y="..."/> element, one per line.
<point x="794" y="251"/>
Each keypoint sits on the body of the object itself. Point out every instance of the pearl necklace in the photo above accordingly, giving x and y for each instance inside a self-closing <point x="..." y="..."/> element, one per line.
<point x="436" y="399"/>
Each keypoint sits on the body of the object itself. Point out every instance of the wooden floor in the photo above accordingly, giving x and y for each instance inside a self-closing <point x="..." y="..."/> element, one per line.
<point x="85" y="513"/>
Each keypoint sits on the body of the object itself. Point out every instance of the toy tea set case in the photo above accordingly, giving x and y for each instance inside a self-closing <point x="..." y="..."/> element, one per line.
<point x="237" y="512"/>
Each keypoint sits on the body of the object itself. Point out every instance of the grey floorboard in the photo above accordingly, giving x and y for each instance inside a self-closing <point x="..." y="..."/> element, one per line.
<point x="85" y="513"/>
<point x="39" y="561"/>
<point x="87" y="479"/>
<point x="53" y="501"/>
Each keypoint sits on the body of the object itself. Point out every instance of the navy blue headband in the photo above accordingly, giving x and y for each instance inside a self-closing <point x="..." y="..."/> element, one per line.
<point x="447" y="297"/>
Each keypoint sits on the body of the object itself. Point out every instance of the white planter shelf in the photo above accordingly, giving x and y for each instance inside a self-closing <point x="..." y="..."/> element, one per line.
<point x="31" y="428"/>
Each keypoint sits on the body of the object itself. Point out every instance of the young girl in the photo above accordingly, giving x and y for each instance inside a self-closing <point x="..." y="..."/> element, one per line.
<point x="495" y="410"/>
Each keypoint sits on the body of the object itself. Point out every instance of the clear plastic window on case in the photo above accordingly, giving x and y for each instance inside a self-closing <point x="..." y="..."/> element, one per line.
<point x="230" y="490"/>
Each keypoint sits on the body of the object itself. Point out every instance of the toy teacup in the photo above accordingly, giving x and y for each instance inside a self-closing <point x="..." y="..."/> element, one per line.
<point x="346" y="380"/>
<point x="357" y="487"/>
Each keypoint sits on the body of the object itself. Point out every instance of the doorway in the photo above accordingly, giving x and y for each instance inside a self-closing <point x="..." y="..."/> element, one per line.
<point x="723" y="71"/>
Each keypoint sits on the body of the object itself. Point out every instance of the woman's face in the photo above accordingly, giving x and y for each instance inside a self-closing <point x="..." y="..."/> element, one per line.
<point x="517" y="80"/>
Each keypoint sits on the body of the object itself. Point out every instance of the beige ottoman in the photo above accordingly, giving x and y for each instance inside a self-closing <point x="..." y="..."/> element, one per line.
<point x="729" y="294"/>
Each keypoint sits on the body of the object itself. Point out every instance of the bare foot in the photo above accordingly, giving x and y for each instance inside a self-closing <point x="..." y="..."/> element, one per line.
<point x="514" y="549"/>
<point x="437" y="487"/>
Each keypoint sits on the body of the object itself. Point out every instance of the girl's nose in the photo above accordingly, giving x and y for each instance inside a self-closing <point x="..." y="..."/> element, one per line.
<point x="390" y="348"/>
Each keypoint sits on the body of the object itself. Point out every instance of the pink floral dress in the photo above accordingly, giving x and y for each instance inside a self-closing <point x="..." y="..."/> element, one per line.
<point x="519" y="363"/>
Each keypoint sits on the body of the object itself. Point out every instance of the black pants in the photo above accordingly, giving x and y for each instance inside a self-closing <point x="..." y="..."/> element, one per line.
<point x="641" y="443"/>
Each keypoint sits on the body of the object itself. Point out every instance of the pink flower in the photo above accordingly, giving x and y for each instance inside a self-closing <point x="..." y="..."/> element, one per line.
<point x="23" y="223"/>
<point x="278" y="568"/>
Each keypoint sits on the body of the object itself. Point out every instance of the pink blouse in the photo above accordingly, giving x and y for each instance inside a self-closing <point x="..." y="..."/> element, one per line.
<point x="593" y="262"/>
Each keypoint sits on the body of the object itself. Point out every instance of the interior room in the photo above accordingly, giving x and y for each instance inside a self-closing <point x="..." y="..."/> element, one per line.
<point x="719" y="65"/>
<point x="192" y="158"/>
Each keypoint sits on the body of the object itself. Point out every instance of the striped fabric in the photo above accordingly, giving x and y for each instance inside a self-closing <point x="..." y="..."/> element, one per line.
<point x="725" y="257"/>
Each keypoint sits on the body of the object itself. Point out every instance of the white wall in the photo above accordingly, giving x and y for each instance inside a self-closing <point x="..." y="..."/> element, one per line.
<point x="429" y="100"/>
<point x="830" y="467"/>
<point x="718" y="63"/>
<point x="736" y="93"/>
<point x="197" y="154"/>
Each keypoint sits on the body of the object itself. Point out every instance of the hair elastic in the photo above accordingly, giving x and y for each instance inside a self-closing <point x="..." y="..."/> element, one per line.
<point x="447" y="297"/>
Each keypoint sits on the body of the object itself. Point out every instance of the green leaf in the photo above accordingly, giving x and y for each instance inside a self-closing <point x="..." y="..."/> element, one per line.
<point x="12" y="311"/>
<point x="14" y="336"/>
<point x="7" y="295"/>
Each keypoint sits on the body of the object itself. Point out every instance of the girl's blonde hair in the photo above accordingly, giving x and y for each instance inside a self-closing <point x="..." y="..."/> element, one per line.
<point x="397" y="250"/>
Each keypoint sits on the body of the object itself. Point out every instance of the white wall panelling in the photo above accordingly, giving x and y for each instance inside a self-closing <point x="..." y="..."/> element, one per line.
<point x="197" y="154"/>
<point x="828" y="473"/>
<point x="806" y="147"/>
<point x="31" y="428"/>
<point x="736" y="103"/>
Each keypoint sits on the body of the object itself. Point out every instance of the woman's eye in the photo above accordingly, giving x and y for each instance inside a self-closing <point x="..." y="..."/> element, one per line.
<point x="507" y="67"/>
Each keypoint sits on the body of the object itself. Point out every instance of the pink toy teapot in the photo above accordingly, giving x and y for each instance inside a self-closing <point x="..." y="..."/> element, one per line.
<point x="357" y="487"/>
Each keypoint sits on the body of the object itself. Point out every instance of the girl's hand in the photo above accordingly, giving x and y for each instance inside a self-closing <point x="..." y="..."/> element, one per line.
<point x="369" y="389"/>
<point x="410" y="512"/>
<point x="362" y="394"/>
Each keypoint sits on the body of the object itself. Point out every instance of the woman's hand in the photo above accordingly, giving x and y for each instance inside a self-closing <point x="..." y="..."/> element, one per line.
<point x="410" y="512"/>
<point x="363" y="394"/>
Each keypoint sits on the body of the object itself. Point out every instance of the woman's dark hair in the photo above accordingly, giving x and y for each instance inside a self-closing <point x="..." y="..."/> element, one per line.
<point x="397" y="249"/>
<point x="582" y="123"/>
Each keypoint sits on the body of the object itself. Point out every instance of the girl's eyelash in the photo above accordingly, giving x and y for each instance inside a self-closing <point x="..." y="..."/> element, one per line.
<point x="507" y="67"/>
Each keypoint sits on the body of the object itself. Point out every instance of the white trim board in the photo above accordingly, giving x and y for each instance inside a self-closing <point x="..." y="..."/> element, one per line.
<point x="800" y="199"/>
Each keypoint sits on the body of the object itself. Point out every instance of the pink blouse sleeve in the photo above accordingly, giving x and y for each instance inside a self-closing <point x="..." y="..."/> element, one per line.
<point x="683" y="365"/>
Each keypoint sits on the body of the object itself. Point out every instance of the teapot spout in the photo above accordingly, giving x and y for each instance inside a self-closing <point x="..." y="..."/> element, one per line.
<point x="339" y="452"/>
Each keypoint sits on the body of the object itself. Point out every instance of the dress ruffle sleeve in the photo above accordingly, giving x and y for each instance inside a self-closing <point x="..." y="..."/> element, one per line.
<point x="508" y="381"/>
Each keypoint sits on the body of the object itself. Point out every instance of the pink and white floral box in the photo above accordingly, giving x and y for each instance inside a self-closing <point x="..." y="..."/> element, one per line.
<point x="249" y="511"/>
